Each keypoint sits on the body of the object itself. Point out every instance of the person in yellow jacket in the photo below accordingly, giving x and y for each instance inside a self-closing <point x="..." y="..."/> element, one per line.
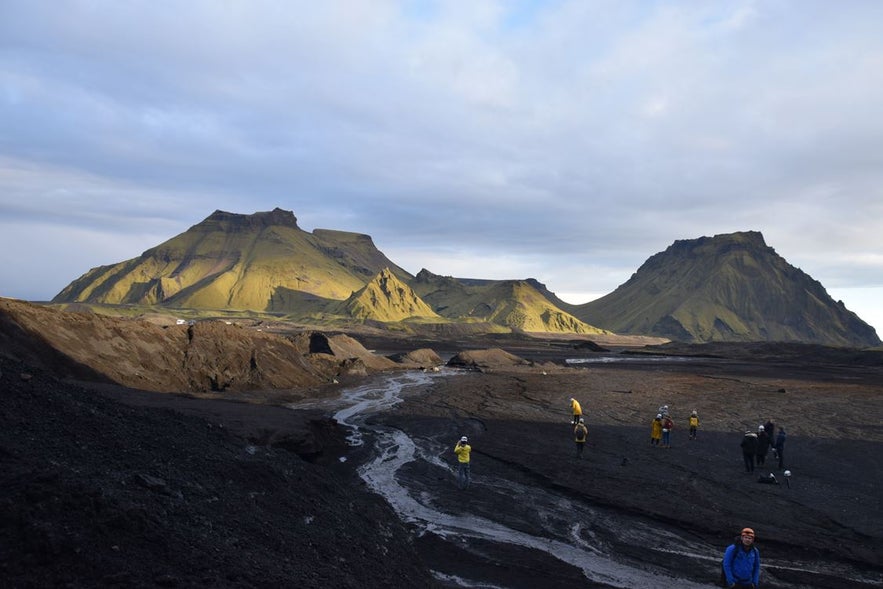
<point x="577" y="410"/>
<point x="463" y="450"/>
<point x="694" y="424"/>
<point x="656" y="430"/>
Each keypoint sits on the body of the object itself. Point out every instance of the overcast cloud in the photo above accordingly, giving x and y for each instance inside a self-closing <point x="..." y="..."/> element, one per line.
<point x="566" y="141"/>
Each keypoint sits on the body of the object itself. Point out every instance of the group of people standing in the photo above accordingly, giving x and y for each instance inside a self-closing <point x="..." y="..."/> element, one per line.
<point x="740" y="566"/>
<point x="661" y="426"/>
<point x="756" y="445"/>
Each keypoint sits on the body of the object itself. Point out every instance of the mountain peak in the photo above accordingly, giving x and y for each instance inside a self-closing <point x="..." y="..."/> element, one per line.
<point x="730" y="287"/>
<point x="256" y="220"/>
<point x="386" y="298"/>
<point x="261" y="262"/>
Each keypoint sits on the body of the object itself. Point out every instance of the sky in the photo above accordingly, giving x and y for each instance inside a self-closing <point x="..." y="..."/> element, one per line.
<point x="566" y="141"/>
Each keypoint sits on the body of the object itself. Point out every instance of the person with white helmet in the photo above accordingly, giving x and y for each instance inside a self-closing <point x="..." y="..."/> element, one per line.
<point x="656" y="430"/>
<point x="749" y="450"/>
<point x="763" y="445"/>
<point x="694" y="424"/>
<point x="576" y="410"/>
<point x="463" y="451"/>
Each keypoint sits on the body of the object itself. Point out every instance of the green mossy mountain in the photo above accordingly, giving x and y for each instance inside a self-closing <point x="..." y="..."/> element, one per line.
<point x="521" y="305"/>
<point x="730" y="287"/>
<point x="725" y="288"/>
<point x="265" y="263"/>
<point x="261" y="262"/>
<point x="386" y="299"/>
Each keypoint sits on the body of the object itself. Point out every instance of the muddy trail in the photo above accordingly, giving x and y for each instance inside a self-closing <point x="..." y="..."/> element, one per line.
<point x="627" y="515"/>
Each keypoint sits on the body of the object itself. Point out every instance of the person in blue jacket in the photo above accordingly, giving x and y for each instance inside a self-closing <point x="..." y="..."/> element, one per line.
<point x="741" y="563"/>
<point x="780" y="447"/>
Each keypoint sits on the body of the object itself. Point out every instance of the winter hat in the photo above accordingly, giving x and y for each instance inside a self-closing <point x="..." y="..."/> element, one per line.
<point x="581" y="420"/>
<point x="659" y="416"/>
<point x="463" y="439"/>
<point x="760" y="428"/>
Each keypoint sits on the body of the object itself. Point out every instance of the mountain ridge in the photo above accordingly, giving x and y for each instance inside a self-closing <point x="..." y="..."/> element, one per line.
<point x="730" y="287"/>
<point x="237" y="261"/>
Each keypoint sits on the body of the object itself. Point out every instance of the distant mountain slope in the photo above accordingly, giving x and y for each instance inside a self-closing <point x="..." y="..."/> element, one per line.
<point x="730" y="287"/>
<point x="385" y="299"/>
<point x="517" y="304"/>
<point x="261" y="262"/>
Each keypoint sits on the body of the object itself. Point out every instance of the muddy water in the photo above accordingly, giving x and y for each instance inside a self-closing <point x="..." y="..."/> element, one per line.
<point x="404" y="470"/>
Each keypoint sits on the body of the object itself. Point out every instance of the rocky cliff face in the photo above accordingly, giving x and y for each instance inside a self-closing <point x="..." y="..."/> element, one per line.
<point x="729" y="287"/>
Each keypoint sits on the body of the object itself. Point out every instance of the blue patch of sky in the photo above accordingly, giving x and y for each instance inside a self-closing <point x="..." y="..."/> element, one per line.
<point x="420" y="10"/>
<point x="522" y="14"/>
<point x="517" y="14"/>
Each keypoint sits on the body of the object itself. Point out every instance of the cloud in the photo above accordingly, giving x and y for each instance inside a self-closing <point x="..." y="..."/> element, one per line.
<point x="544" y="136"/>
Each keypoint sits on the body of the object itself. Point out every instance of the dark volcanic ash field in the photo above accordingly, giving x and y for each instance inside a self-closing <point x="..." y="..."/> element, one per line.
<point x="107" y="486"/>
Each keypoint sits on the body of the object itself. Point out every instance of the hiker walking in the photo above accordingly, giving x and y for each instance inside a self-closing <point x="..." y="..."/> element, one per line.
<point x="667" y="426"/>
<point x="763" y="445"/>
<point x="576" y="409"/>
<point x="580" y="433"/>
<point x="462" y="450"/>
<point x="780" y="447"/>
<point x="749" y="450"/>
<point x="656" y="430"/>
<point x="770" y="428"/>
<point x="741" y="563"/>
<point x="694" y="424"/>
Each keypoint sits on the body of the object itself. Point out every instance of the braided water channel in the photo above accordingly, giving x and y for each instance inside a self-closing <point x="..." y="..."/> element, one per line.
<point x="550" y="528"/>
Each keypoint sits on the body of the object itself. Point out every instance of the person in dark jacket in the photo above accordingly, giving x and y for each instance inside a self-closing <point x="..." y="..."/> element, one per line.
<point x="780" y="447"/>
<point x="580" y="432"/>
<point x="749" y="450"/>
<point x="741" y="562"/>
<point x="763" y="445"/>
<point x="770" y="428"/>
